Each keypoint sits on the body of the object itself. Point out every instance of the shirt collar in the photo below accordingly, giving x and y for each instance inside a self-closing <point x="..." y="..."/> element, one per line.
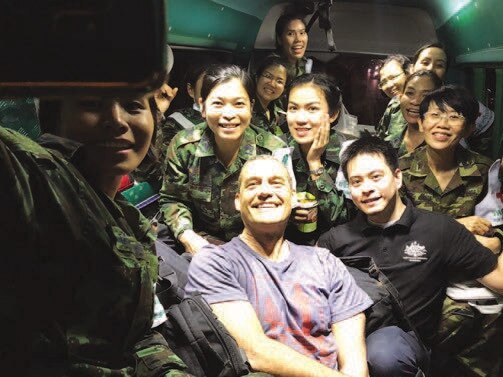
<point x="466" y="163"/>
<point x="405" y="221"/>
<point x="65" y="147"/>
<point x="206" y="145"/>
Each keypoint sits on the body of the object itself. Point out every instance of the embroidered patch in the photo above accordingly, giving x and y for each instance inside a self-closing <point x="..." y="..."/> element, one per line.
<point x="415" y="252"/>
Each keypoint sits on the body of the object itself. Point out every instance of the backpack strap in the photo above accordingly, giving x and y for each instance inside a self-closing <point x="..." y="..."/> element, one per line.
<point x="376" y="273"/>
<point x="368" y="265"/>
<point x="172" y="276"/>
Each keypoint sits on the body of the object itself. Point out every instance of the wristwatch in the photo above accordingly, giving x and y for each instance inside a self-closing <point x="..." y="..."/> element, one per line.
<point x="318" y="171"/>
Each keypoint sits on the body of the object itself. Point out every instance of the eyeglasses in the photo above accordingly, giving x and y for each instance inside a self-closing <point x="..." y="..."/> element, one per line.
<point x="271" y="78"/>
<point x="385" y="82"/>
<point x="454" y="119"/>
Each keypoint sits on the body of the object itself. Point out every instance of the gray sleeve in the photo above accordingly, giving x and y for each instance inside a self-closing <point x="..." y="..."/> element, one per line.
<point x="211" y="273"/>
<point x="346" y="299"/>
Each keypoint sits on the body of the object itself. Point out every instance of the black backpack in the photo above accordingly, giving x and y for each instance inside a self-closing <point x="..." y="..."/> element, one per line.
<point x="387" y="309"/>
<point x="192" y="330"/>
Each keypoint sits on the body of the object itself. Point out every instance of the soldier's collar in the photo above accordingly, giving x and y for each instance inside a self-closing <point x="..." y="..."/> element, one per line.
<point x="331" y="153"/>
<point x="206" y="146"/>
<point x="248" y="147"/>
<point x="65" y="147"/>
<point x="419" y="165"/>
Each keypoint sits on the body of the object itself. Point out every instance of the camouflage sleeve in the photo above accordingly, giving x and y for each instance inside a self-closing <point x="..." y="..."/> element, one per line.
<point x="482" y="142"/>
<point x="154" y="357"/>
<point x="383" y="124"/>
<point x="331" y="202"/>
<point x="175" y="193"/>
<point x="169" y="129"/>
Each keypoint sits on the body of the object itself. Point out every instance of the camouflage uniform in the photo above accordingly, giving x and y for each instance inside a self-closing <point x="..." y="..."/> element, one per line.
<point x="276" y="125"/>
<point x="20" y="114"/>
<point x="174" y="124"/>
<point x="392" y="126"/>
<point x="461" y="331"/>
<point x="79" y="270"/>
<point x="198" y="191"/>
<point x="392" y="122"/>
<point x="331" y="202"/>
<point x="467" y="187"/>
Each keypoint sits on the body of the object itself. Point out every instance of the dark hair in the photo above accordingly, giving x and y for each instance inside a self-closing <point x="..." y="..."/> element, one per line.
<point x="430" y="45"/>
<point x="371" y="145"/>
<point x="400" y="59"/>
<point x="284" y="20"/>
<point x="327" y="85"/>
<point x="270" y="61"/>
<point x="424" y="73"/>
<point x="221" y="73"/>
<point x="457" y="97"/>
<point x="193" y="74"/>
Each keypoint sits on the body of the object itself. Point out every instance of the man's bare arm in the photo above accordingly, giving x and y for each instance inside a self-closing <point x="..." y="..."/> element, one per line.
<point x="264" y="354"/>
<point x="350" y="339"/>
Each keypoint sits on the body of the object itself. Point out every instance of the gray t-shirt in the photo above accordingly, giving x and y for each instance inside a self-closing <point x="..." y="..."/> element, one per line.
<point x="296" y="300"/>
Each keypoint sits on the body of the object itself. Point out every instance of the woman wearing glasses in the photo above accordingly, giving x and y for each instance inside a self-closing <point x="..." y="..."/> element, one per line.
<point x="443" y="176"/>
<point x="271" y="79"/>
<point x="392" y="77"/>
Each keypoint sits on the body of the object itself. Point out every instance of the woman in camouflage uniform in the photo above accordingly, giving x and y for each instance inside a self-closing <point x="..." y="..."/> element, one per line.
<point x="78" y="278"/>
<point x="271" y="79"/>
<point x="444" y="177"/>
<point x="314" y="103"/>
<point x="417" y="86"/>
<point x="203" y="164"/>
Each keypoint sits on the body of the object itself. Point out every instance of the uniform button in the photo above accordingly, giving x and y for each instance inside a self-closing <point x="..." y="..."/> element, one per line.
<point x="322" y="186"/>
<point x="259" y="138"/>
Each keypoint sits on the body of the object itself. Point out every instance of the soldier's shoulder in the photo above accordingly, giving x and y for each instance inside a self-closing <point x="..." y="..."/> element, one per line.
<point x="481" y="160"/>
<point x="190" y="136"/>
<point x="17" y="142"/>
<point x="405" y="161"/>
<point x="267" y="140"/>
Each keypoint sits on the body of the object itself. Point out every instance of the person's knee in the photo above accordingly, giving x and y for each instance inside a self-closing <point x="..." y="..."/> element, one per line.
<point x="391" y="352"/>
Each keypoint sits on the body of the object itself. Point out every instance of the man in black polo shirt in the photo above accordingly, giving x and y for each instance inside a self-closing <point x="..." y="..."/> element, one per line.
<point x="419" y="251"/>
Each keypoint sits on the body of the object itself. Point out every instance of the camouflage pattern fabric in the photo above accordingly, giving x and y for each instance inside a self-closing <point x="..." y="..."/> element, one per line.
<point x="468" y="343"/>
<point x="392" y="121"/>
<point x="467" y="187"/>
<point x="392" y="127"/>
<point x="276" y="124"/>
<point x="79" y="270"/>
<point x="170" y="127"/>
<point x="461" y="334"/>
<point x="20" y="114"/>
<point x="198" y="191"/>
<point x="331" y="202"/>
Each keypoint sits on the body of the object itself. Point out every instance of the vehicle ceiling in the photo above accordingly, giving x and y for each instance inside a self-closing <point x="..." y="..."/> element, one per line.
<point x="467" y="25"/>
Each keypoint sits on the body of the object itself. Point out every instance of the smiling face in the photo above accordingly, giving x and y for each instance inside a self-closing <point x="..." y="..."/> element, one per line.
<point x="116" y="133"/>
<point x="414" y="92"/>
<point x="392" y="78"/>
<point x="443" y="133"/>
<point x="293" y="40"/>
<point x="265" y="195"/>
<point x="271" y="83"/>
<point x="306" y="107"/>
<point x="432" y="59"/>
<point x="227" y="110"/>
<point x="374" y="187"/>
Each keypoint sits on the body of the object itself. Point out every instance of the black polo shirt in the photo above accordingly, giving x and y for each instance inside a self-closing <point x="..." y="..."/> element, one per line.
<point x="420" y="254"/>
